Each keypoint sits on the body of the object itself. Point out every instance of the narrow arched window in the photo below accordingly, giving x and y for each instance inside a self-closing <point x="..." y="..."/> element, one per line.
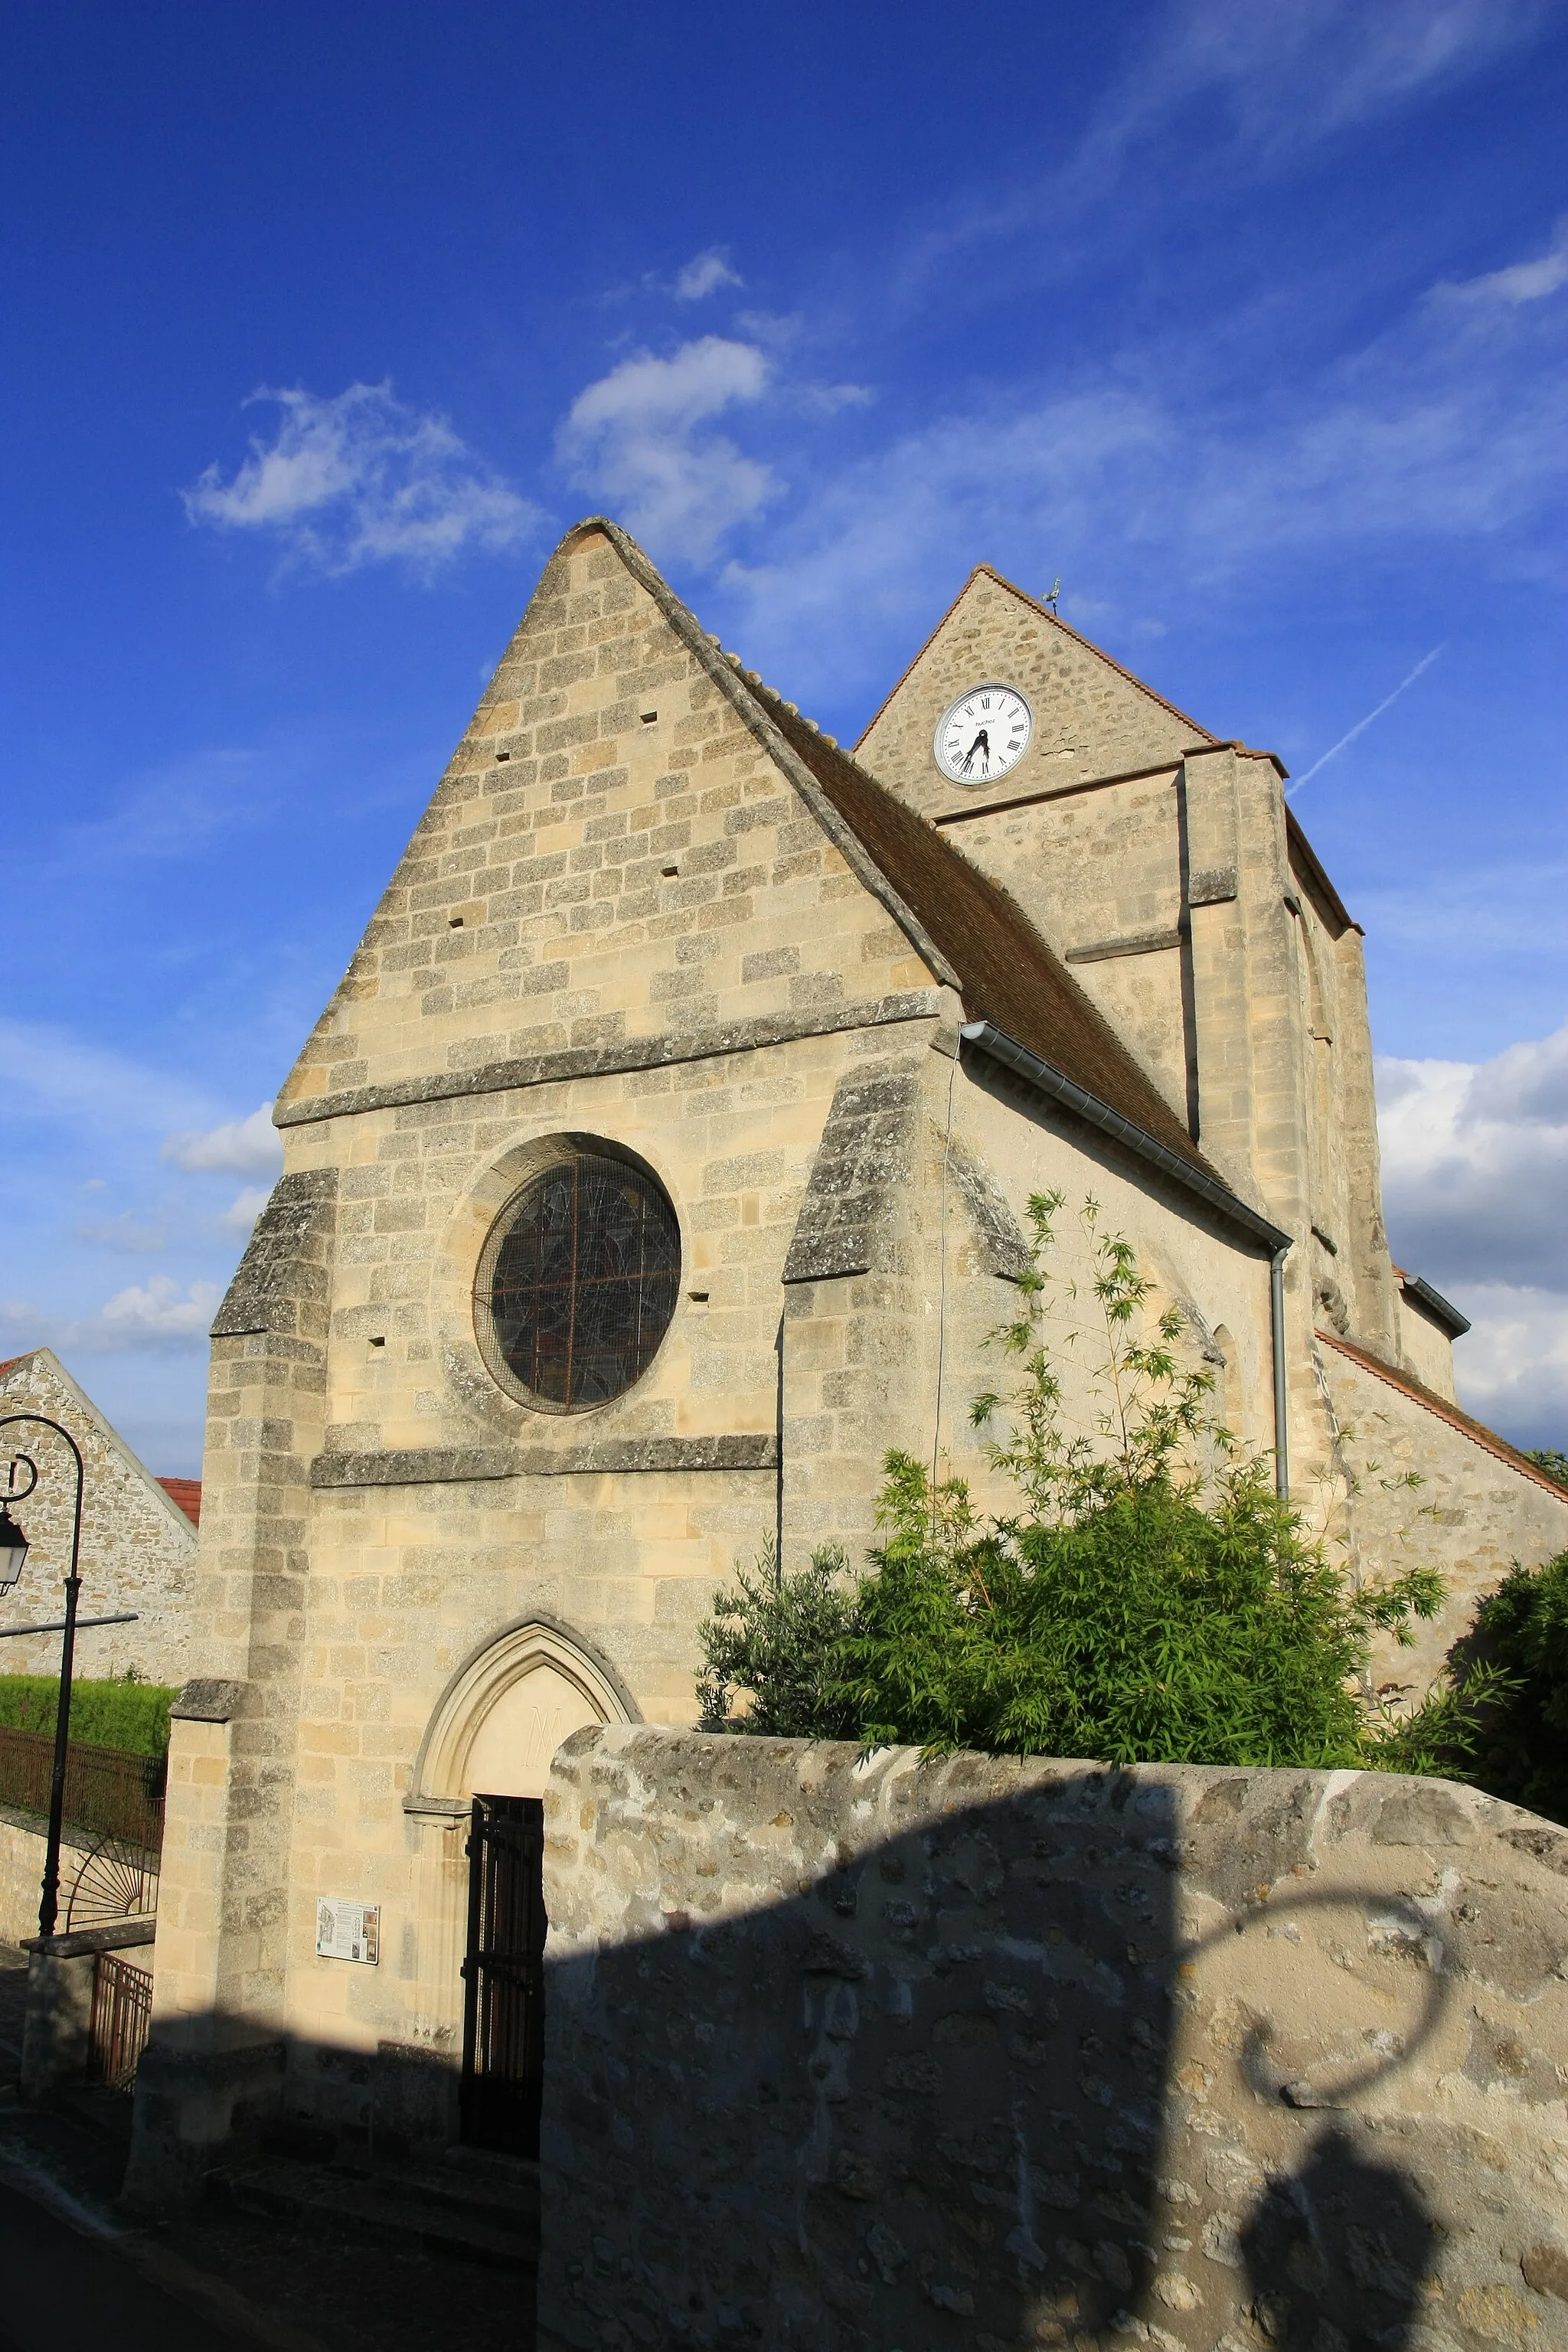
<point x="578" y="1282"/>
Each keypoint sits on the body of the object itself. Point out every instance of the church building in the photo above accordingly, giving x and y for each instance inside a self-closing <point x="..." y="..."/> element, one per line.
<point x="661" y="1160"/>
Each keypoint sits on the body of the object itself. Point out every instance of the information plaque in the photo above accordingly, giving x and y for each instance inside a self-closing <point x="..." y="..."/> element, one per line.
<point x="348" y="1931"/>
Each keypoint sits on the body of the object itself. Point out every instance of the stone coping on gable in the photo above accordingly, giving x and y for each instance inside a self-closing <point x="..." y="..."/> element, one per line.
<point x="422" y="1466"/>
<point x="1477" y="1430"/>
<point x="609" y="1061"/>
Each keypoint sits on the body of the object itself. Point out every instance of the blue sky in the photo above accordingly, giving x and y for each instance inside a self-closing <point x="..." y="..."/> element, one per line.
<point x="1247" y="321"/>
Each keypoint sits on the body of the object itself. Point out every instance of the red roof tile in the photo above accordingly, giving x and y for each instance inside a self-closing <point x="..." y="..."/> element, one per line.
<point x="187" y="1493"/>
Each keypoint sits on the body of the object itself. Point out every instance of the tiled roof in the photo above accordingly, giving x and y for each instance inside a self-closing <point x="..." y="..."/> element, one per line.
<point x="1486" y="1439"/>
<point x="1007" y="973"/>
<point x="1010" y="977"/>
<point x="187" y="1493"/>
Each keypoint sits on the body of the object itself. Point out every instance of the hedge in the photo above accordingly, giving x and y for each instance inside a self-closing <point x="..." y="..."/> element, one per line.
<point x="133" y="1716"/>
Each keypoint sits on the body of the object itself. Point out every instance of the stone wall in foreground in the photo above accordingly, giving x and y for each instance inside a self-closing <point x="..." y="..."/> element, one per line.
<point x="985" y="2053"/>
<point x="22" y="1843"/>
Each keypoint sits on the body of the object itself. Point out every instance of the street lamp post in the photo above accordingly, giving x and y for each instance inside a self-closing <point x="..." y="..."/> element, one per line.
<point x="13" y="1552"/>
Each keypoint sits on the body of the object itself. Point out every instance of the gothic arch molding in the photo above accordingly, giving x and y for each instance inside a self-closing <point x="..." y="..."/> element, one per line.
<point x="506" y="1709"/>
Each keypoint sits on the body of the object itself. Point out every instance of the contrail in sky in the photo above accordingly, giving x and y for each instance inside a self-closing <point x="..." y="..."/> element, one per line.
<point x="1362" y="724"/>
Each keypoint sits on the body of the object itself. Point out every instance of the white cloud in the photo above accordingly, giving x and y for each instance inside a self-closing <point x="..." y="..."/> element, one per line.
<point x="1451" y="427"/>
<point x="635" y="439"/>
<point x="704" y="274"/>
<point x="242" y="1209"/>
<point x="158" y="1315"/>
<point x="1520" y="281"/>
<point x="1299" y="68"/>
<point x="159" y="1311"/>
<point x="125" y="1231"/>
<point x="1475" y="1177"/>
<point x="362" y="478"/>
<point x="237" y="1147"/>
<point x="1512" y="1367"/>
<point x="1475" y="1165"/>
<point x="48" y="1071"/>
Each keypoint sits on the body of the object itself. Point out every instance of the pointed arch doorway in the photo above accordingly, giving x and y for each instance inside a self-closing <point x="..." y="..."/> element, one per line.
<point x="485" y="1756"/>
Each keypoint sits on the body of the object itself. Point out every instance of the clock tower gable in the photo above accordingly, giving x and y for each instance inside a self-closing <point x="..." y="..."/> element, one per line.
<point x="1091" y="718"/>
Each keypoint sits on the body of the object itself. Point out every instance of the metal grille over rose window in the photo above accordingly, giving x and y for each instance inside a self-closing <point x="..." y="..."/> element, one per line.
<point x="579" y="1282"/>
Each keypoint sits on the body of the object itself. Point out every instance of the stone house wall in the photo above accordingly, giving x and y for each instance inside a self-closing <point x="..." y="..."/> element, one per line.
<point x="1478" y="1511"/>
<point x="137" y="1548"/>
<point x="996" y="2054"/>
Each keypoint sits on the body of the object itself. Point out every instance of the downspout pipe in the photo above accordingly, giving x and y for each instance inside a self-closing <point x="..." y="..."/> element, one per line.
<point x="1276" y="1333"/>
<point x="1192" y="1178"/>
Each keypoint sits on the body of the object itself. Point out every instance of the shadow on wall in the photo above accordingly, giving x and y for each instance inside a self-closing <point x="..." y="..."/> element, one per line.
<point x="210" y="2089"/>
<point x="1077" y="2057"/>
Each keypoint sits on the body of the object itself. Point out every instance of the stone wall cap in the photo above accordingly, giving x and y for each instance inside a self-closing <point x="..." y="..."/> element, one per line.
<point x="207" y="1700"/>
<point x="119" y="1936"/>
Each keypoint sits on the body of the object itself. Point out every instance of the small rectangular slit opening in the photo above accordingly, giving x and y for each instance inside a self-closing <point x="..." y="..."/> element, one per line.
<point x="669" y="872"/>
<point x="649" y="718"/>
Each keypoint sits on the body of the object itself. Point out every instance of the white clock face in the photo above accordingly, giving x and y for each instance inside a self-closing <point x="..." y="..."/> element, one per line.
<point x="984" y="734"/>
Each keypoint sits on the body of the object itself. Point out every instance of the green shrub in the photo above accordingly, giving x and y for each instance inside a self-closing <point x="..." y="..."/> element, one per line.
<point x="779" y="1639"/>
<point x="1552" y="1459"/>
<point x="132" y="1715"/>
<point x="1521" y="1751"/>
<point x="1140" y="1607"/>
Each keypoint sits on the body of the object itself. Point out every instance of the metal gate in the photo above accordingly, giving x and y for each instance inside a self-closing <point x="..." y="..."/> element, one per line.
<point x="503" y="1976"/>
<point x="121" y="2020"/>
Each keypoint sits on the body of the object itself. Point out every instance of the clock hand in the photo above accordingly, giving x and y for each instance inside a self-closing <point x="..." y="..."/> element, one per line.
<point x="982" y="743"/>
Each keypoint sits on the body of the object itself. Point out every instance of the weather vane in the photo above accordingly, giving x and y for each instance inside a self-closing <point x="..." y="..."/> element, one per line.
<point x="1049" y="598"/>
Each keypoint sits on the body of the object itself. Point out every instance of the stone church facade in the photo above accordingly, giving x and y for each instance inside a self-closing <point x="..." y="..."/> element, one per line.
<point x="667" y="979"/>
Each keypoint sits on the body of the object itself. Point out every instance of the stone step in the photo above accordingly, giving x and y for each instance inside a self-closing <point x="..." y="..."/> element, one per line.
<point x="505" y="2192"/>
<point x="396" y="2208"/>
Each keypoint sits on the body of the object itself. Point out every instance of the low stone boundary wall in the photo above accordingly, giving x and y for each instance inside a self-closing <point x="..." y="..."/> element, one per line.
<point x="985" y="2053"/>
<point x="22" y="1871"/>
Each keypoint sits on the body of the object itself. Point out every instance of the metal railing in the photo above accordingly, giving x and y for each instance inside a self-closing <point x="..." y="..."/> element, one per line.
<point x="121" y="2020"/>
<point x="109" y="1792"/>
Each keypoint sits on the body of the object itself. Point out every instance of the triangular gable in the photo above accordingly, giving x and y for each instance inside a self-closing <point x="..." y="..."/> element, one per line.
<point x="972" y="932"/>
<point x="968" y="933"/>
<point x="361" y="1043"/>
<point x="1444" y="1409"/>
<point x="1093" y="717"/>
<point x="51" y="1374"/>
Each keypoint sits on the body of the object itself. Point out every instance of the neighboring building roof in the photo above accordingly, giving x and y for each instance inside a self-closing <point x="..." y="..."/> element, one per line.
<point x="1007" y="973"/>
<point x="187" y="1493"/>
<point x="1486" y="1439"/>
<point x="1442" y="1310"/>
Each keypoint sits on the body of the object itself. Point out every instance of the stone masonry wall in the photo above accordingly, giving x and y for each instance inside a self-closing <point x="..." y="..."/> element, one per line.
<point x="138" y="1548"/>
<point x="1091" y="717"/>
<point x="22" y="1841"/>
<point x="1472" y="1516"/>
<point x="987" y="2053"/>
